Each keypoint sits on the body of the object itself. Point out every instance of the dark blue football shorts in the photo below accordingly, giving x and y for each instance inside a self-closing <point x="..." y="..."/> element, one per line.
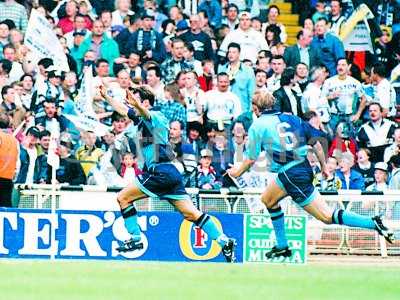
<point x="163" y="181"/>
<point x="296" y="178"/>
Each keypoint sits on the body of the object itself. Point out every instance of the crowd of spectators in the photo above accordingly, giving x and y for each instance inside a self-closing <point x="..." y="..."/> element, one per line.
<point x="205" y="62"/>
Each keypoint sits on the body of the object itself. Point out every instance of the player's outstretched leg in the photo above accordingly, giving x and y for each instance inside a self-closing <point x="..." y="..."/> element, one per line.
<point x="320" y="210"/>
<point x="270" y="198"/>
<point x="205" y="222"/>
<point x="125" y="200"/>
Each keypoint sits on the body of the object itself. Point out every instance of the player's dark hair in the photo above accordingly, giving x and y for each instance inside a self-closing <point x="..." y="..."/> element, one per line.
<point x="377" y="104"/>
<point x="101" y="60"/>
<point x="156" y="70"/>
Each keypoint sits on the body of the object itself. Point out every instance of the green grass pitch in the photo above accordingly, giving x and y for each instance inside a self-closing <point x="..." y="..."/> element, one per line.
<point x="29" y="279"/>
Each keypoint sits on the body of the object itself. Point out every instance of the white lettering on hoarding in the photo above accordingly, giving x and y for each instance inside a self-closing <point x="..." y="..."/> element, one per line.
<point x="32" y="233"/>
<point x="12" y="219"/>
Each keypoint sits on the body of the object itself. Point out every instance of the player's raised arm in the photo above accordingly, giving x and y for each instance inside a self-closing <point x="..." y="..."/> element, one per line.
<point x="319" y="151"/>
<point x="118" y="106"/>
<point x="137" y="103"/>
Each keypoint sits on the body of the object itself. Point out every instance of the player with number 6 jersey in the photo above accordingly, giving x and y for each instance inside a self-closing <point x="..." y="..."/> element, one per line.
<point x="286" y="139"/>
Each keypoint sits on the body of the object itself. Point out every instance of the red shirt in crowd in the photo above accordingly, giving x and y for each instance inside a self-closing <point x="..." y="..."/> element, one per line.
<point x="67" y="25"/>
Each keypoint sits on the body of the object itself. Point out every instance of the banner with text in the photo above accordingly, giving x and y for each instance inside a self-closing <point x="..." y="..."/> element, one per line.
<point x="27" y="233"/>
<point x="260" y="238"/>
<point x="41" y="39"/>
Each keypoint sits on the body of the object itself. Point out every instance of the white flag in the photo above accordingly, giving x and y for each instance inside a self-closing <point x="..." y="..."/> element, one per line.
<point x="86" y="117"/>
<point x="52" y="158"/>
<point x="43" y="42"/>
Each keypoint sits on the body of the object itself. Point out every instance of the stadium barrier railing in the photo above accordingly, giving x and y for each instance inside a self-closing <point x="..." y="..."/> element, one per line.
<point x="322" y="238"/>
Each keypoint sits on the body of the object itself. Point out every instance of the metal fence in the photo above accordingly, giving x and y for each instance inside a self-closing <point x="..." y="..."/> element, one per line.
<point x="322" y="239"/>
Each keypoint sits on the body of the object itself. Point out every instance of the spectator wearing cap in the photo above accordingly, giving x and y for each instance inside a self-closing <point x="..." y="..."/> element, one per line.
<point x="79" y="29"/>
<point x="146" y="41"/>
<point x="381" y="177"/>
<point x="376" y="134"/>
<point x="250" y="40"/>
<point x="181" y="27"/>
<point x="242" y="78"/>
<point x="301" y="52"/>
<point x="51" y="90"/>
<point x="28" y="154"/>
<point x="78" y="37"/>
<point x="231" y="19"/>
<point x="4" y="37"/>
<point x="213" y="10"/>
<point x="201" y="41"/>
<point x="123" y="9"/>
<point x="8" y="159"/>
<point x="329" y="47"/>
<point x="16" y="71"/>
<point x="206" y="174"/>
<point x="11" y="10"/>
<point x="67" y="23"/>
<point x="350" y="179"/>
<point x="171" y="67"/>
<point x="98" y="42"/>
<point x="70" y="170"/>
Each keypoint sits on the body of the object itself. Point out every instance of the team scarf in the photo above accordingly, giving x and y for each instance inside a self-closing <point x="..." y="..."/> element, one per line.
<point x="140" y="40"/>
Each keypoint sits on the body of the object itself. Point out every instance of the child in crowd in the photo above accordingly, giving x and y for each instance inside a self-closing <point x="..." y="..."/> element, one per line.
<point x="331" y="182"/>
<point x="129" y="169"/>
<point x="206" y="175"/>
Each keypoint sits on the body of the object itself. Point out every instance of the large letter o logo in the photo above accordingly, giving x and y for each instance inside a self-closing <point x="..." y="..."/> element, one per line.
<point x="185" y="242"/>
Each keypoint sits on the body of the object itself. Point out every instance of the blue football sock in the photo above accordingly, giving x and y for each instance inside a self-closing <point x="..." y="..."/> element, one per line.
<point x="344" y="217"/>
<point x="130" y="218"/>
<point x="208" y="225"/>
<point x="278" y="222"/>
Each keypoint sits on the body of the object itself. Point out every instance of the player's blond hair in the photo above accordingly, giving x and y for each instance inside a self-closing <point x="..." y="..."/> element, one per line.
<point x="263" y="100"/>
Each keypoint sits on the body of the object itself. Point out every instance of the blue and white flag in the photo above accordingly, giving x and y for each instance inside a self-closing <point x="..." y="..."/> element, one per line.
<point x="86" y="117"/>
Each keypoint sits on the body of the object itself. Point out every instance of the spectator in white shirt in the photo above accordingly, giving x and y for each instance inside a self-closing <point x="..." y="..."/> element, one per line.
<point x="384" y="92"/>
<point x="250" y="40"/>
<point x="17" y="71"/>
<point x="123" y="10"/>
<point x="221" y="105"/>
